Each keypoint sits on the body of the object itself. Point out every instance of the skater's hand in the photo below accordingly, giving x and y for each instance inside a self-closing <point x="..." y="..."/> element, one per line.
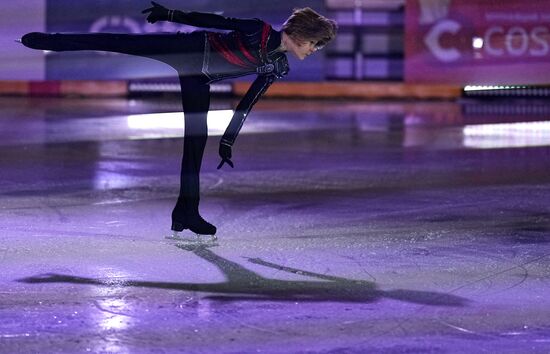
<point x="225" y="154"/>
<point x="156" y="13"/>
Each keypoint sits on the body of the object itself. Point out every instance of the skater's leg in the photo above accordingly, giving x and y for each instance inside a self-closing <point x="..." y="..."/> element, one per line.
<point x="108" y="42"/>
<point x="196" y="103"/>
<point x="179" y="50"/>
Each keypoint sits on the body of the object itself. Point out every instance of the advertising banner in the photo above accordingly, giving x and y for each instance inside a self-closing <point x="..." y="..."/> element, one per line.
<point x="478" y="42"/>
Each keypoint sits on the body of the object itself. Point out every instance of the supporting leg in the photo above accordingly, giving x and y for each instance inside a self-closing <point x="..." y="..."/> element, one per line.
<point x="196" y="102"/>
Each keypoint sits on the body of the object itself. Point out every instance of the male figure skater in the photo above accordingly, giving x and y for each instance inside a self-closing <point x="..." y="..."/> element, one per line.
<point x="249" y="46"/>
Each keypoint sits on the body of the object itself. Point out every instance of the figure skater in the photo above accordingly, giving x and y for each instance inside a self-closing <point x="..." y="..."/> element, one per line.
<point x="248" y="46"/>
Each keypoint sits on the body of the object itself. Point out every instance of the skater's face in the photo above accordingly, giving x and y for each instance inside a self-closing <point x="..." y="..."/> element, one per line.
<point x="301" y="48"/>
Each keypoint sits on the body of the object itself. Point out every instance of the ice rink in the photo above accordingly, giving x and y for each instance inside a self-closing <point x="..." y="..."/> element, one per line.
<point x="345" y="227"/>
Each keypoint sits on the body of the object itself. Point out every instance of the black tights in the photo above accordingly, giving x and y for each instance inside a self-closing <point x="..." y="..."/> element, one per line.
<point x="184" y="52"/>
<point x="196" y="101"/>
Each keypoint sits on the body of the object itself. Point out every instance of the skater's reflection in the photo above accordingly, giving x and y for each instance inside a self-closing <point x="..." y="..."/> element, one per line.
<point x="245" y="285"/>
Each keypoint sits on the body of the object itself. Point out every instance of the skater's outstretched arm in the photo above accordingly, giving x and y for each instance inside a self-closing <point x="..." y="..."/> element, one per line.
<point x="200" y="19"/>
<point x="256" y="90"/>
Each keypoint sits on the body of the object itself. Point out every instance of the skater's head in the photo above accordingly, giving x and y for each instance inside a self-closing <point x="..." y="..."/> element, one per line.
<point x="306" y="31"/>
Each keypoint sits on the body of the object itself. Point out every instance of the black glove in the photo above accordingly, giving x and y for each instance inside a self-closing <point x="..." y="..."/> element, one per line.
<point x="156" y="13"/>
<point x="278" y="67"/>
<point x="225" y="154"/>
<point x="281" y="66"/>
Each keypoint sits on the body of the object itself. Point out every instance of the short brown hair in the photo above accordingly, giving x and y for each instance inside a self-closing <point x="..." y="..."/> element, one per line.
<point x="307" y="25"/>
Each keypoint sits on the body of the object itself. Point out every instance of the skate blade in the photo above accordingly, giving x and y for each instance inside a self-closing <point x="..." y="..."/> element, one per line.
<point x="198" y="241"/>
<point x="18" y="40"/>
<point x="206" y="238"/>
<point x="172" y="238"/>
<point x="175" y="236"/>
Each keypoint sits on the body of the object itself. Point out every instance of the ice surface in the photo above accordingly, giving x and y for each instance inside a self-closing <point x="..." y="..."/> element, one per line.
<point x="341" y="229"/>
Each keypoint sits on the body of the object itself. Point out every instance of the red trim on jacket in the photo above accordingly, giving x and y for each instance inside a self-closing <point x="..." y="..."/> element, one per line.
<point x="265" y="37"/>
<point x="224" y="51"/>
<point x="245" y="51"/>
<point x="220" y="47"/>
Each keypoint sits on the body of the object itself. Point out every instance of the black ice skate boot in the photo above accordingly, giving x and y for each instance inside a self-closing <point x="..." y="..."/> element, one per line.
<point x="38" y="40"/>
<point x="186" y="216"/>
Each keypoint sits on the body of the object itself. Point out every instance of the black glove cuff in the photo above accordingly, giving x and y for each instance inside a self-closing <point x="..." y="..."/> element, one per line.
<point x="226" y="143"/>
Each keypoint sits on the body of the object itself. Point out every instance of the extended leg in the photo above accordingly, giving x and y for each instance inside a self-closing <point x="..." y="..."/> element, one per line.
<point x="181" y="50"/>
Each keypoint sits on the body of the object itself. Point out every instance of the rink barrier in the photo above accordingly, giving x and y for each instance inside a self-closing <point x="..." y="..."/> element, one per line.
<point x="358" y="90"/>
<point x="65" y="88"/>
<point x="327" y="90"/>
<point x="94" y="88"/>
<point x="14" y="88"/>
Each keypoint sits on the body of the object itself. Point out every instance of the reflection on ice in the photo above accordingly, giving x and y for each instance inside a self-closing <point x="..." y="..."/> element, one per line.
<point x="511" y="135"/>
<point x="217" y="121"/>
<point x="112" y="316"/>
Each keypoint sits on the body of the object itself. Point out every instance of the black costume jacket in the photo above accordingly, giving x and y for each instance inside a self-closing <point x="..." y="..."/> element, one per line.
<point x="250" y="47"/>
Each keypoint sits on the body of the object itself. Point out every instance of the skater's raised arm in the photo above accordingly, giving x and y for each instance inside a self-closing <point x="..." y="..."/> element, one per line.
<point x="201" y="19"/>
